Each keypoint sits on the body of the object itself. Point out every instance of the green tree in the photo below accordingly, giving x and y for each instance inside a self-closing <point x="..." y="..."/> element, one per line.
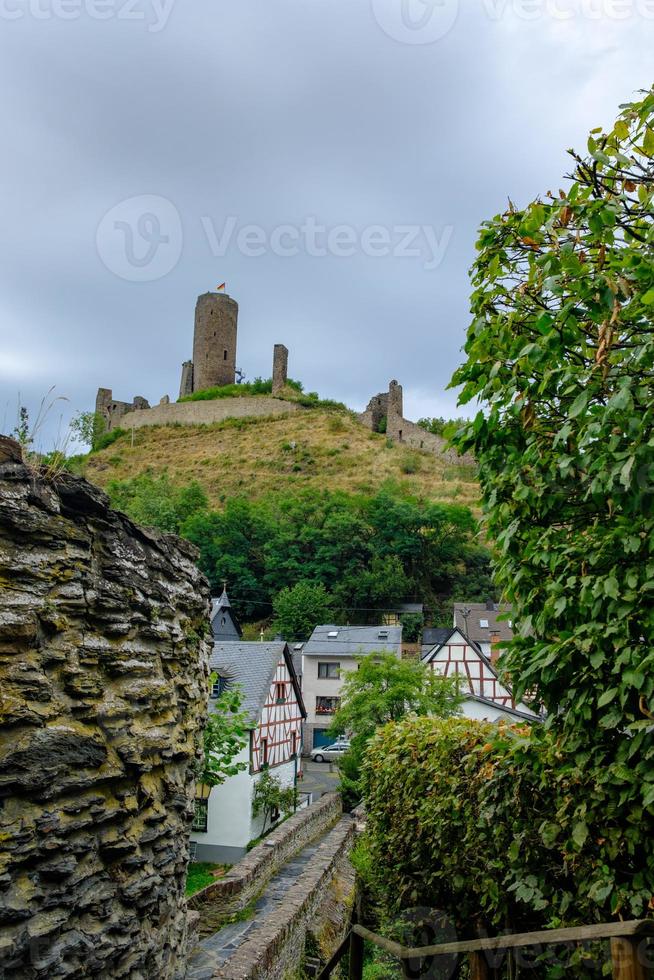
<point x="412" y="624"/>
<point x="225" y="734"/>
<point x="561" y="354"/>
<point x="385" y="689"/>
<point x="87" y="427"/>
<point x="155" y="502"/>
<point x="271" y="798"/>
<point x="298" y="610"/>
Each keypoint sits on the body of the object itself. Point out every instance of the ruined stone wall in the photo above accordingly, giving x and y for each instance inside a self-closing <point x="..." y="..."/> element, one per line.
<point x="103" y="669"/>
<point x="112" y="410"/>
<point x="280" y="368"/>
<point x="205" y="412"/>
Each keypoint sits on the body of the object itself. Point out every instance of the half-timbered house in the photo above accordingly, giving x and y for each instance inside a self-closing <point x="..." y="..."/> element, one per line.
<point x="486" y="697"/>
<point x="264" y="673"/>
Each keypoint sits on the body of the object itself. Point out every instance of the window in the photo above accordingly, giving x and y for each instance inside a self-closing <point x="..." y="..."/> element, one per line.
<point x="329" y="671"/>
<point x="224" y="355"/>
<point x="327" y="706"/>
<point x="218" y="687"/>
<point x="263" y="754"/>
<point x="280" y="692"/>
<point x="200" y="816"/>
<point x="332" y="634"/>
<point x="483" y="623"/>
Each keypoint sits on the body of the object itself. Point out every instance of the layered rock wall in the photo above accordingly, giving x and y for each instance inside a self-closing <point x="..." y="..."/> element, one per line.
<point x="103" y="667"/>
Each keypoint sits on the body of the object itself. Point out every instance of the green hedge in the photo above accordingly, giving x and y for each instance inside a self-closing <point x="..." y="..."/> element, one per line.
<point x="495" y="828"/>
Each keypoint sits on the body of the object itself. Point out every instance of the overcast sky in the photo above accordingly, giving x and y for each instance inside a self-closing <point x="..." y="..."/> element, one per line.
<point x="331" y="160"/>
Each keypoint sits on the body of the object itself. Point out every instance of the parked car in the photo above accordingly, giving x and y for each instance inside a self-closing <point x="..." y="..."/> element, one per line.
<point x="330" y="753"/>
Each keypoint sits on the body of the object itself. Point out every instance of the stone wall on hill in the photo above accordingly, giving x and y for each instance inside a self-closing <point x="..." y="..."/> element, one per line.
<point x="206" y="412"/>
<point x="103" y="681"/>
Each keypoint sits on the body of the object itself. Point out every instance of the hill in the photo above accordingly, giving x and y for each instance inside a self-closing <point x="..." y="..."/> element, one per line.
<point x="313" y="448"/>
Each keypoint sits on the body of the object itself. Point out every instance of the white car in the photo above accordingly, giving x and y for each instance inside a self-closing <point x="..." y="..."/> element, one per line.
<point x="330" y="753"/>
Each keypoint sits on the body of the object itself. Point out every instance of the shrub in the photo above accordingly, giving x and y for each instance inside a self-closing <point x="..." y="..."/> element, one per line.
<point x="411" y="463"/>
<point x="107" y="439"/>
<point x="492" y="828"/>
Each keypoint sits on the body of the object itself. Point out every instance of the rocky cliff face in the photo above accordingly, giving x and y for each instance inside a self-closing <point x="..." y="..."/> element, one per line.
<point x="103" y="666"/>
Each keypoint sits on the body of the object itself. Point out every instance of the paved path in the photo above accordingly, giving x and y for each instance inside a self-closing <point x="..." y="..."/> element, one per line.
<point x="217" y="948"/>
<point x="319" y="778"/>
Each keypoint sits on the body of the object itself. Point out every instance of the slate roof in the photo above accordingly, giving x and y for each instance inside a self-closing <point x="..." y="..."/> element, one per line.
<point x="432" y="635"/>
<point x="220" y="604"/>
<point x="252" y="666"/>
<point x="352" y="641"/>
<point x="479" y="611"/>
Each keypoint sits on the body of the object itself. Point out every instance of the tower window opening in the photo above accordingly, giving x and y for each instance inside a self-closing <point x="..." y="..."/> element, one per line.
<point x="224" y="355"/>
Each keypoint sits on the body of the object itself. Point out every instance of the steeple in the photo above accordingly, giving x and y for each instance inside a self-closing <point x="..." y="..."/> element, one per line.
<point x="224" y="624"/>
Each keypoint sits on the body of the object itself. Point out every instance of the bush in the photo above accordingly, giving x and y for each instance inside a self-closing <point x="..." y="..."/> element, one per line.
<point x="491" y="828"/>
<point x="411" y="463"/>
<point x="107" y="439"/>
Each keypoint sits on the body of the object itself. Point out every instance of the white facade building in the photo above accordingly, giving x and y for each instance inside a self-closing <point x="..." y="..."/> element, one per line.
<point x="224" y="824"/>
<point x="326" y="657"/>
<point x="487" y="698"/>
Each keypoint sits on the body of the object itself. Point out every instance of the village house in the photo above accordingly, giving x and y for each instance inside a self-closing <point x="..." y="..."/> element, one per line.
<point x="487" y="624"/>
<point x="326" y="657"/>
<point x="224" y="823"/>
<point x="486" y="698"/>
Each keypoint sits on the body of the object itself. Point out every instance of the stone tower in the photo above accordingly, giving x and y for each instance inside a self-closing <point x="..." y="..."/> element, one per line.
<point x="280" y="368"/>
<point x="395" y="399"/>
<point x="214" y="341"/>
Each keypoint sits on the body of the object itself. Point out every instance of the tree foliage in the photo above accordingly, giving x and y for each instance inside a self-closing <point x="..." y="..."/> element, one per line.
<point x="300" y="608"/>
<point x="270" y="798"/>
<point x="225" y="735"/>
<point x="561" y="353"/>
<point x="155" y="502"/>
<point x="384" y="689"/>
<point x="369" y="553"/>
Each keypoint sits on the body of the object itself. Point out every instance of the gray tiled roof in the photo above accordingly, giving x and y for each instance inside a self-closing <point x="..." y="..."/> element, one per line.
<point x="478" y="611"/>
<point x="250" y="665"/>
<point x="435" y="634"/>
<point x="352" y="641"/>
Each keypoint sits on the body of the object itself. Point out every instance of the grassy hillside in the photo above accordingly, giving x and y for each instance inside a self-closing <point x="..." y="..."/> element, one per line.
<point x="311" y="449"/>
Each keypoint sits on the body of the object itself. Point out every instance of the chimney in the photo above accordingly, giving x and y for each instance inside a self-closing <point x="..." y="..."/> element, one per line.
<point x="495" y="647"/>
<point x="490" y="605"/>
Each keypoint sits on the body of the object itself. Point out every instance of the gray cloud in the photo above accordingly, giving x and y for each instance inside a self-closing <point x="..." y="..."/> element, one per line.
<point x="274" y="113"/>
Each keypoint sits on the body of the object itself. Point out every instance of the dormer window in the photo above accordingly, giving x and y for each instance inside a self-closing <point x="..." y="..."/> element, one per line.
<point x="332" y="634"/>
<point x="483" y="623"/>
<point x="218" y="687"/>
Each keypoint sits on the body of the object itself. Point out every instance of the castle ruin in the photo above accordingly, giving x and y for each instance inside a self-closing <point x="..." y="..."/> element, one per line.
<point x="214" y="365"/>
<point x="215" y="337"/>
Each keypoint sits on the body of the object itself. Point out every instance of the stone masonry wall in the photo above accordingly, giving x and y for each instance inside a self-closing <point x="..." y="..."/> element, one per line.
<point x="275" y="951"/>
<point x="103" y="670"/>
<point x="205" y="412"/>
<point x="246" y="879"/>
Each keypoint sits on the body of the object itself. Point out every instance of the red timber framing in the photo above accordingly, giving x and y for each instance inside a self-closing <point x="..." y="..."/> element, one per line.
<point x="457" y="656"/>
<point x="280" y="724"/>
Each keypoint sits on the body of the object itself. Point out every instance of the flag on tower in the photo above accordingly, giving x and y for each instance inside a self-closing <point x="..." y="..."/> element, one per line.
<point x="221" y="288"/>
